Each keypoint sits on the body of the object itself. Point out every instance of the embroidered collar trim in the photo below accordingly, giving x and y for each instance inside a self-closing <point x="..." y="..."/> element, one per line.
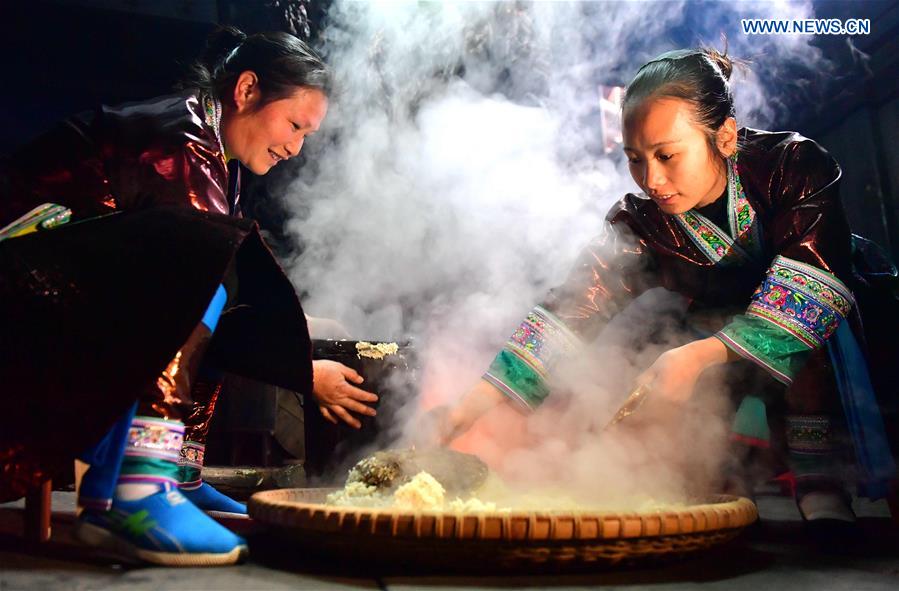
<point x="715" y="243"/>
<point x="212" y="109"/>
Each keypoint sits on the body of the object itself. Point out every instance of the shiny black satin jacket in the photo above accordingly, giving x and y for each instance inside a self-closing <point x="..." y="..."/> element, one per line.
<point x="93" y="312"/>
<point x="793" y="186"/>
<point x="154" y="152"/>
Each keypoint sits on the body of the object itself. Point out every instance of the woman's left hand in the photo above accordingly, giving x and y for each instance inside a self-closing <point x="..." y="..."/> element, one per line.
<point x="674" y="374"/>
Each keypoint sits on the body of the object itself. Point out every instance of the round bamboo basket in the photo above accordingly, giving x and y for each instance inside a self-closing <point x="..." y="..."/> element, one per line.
<point x="516" y="539"/>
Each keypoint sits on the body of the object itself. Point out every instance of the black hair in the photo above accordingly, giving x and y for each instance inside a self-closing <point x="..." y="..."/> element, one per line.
<point x="699" y="76"/>
<point x="281" y="62"/>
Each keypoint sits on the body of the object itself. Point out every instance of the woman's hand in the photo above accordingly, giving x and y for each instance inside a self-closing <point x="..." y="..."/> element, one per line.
<point x="333" y="388"/>
<point x="442" y="424"/>
<point x="431" y="428"/>
<point x="673" y="376"/>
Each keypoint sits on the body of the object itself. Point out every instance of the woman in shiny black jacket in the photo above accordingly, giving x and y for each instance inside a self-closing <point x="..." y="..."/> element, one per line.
<point x="748" y="228"/>
<point x="108" y="317"/>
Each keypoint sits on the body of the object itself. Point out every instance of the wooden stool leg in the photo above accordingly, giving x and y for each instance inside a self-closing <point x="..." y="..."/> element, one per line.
<point x="37" y="512"/>
<point x="80" y="469"/>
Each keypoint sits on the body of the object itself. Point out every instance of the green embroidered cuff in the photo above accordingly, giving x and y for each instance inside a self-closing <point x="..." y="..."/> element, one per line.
<point x="521" y="368"/>
<point x="517" y="380"/>
<point x="793" y="312"/>
<point x="138" y="469"/>
<point x="764" y="343"/>
<point x="802" y="300"/>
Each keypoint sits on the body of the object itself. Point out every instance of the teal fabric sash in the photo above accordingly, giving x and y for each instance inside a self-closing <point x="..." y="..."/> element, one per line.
<point x="863" y="417"/>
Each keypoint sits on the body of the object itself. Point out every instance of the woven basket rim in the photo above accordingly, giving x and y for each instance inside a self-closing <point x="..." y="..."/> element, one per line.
<point x="721" y="512"/>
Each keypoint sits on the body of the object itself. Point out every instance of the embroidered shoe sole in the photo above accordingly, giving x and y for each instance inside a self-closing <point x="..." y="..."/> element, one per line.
<point x="99" y="537"/>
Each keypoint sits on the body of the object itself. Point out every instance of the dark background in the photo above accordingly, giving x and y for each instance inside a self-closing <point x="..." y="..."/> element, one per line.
<point x="63" y="56"/>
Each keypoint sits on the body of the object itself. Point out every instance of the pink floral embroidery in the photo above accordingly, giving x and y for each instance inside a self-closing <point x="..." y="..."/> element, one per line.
<point x="802" y="300"/>
<point x="812" y="313"/>
<point x="777" y="296"/>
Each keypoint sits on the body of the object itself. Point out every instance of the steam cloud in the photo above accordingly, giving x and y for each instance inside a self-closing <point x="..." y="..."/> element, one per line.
<point x="461" y="172"/>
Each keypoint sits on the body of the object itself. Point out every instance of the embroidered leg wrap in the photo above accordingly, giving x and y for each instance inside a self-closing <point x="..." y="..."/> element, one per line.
<point x="152" y="451"/>
<point x="162" y="527"/>
<point x="168" y="399"/>
<point x="190" y="465"/>
<point x="205" y="394"/>
<point x="138" y="449"/>
<point x="813" y="453"/>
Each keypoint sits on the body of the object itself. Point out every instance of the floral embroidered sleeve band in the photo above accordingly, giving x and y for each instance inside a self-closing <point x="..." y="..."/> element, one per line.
<point x="794" y="311"/>
<point x="520" y="370"/>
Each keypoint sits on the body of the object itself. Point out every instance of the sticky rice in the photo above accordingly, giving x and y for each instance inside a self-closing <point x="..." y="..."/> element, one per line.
<point x="375" y="350"/>
<point x="422" y="493"/>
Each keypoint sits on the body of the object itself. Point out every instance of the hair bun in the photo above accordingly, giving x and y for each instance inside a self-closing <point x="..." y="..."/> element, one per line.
<point x="219" y="45"/>
<point x="724" y="63"/>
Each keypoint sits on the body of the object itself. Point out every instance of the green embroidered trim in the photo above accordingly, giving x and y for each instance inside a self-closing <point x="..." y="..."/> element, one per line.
<point x="740" y="213"/>
<point x="43" y="217"/>
<point x="809" y="432"/>
<point x="776" y="350"/>
<point x="188" y="474"/>
<point x="717" y="246"/>
<point x="151" y="468"/>
<point x="516" y="379"/>
<point x="520" y="369"/>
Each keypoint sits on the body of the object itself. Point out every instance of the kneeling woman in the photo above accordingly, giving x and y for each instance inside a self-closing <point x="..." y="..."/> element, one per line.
<point x="108" y="317"/>
<point x="736" y="219"/>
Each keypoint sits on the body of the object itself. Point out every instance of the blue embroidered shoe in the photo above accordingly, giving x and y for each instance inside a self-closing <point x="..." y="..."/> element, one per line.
<point x="214" y="503"/>
<point x="163" y="528"/>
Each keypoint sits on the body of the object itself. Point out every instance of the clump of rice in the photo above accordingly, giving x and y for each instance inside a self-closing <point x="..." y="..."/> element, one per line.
<point x="359" y="494"/>
<point x="375" y="350"/>
<point x="422" y="493"/>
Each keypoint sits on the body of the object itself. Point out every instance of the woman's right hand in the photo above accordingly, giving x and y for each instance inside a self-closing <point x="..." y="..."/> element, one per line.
<point x="442" y="424"/>
<point x="434" y="428"/>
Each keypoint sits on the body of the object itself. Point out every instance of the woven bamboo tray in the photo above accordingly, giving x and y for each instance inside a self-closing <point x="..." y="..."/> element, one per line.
<point x="499" y="539"/>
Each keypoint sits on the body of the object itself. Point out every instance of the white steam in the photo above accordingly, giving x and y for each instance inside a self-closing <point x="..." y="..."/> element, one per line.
<point x="466" y="172"/>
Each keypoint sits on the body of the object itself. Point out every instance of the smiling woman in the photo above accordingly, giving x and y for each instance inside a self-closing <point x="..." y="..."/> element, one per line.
<point x="262" y="136"/>
<point x="126" y="317"/>
<point x="271" y="92"/>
